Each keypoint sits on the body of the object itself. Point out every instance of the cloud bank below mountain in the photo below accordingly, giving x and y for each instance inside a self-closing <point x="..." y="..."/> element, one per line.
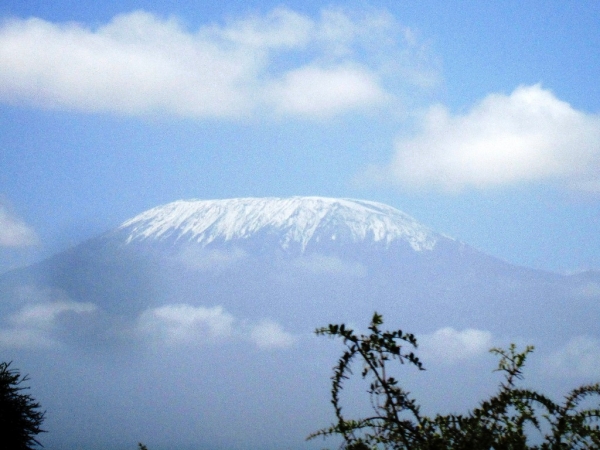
<point x="41" y="324"/>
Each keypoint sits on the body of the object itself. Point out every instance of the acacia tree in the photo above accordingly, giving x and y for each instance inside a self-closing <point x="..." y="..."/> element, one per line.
<point x="20" y="415"/>
<point x="499" y="422"/>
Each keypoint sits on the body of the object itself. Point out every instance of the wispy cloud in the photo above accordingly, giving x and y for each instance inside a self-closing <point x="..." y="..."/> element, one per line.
<point x="282" y="62"/>
<point x="450" y="345"/>
<point x="13" y="231"/>
<point x="33" y="325"/>
<point x="588" y="290"/>
<point x="580" y="357"/>
<point x="527" y="136"/>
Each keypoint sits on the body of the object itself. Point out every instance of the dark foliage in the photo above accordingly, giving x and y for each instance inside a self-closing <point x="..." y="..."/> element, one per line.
<point x="500" y="422"/>
<point x="20" y="415"/>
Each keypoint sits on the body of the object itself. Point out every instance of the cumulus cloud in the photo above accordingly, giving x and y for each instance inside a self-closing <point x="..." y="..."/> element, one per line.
<point x="13" y="231"/>
<point x="579" y="357"/>
<point x="198" y="325"/>
<point x="33" y="325"/>
<point x="269" y="334"/>
<point x="527" y="136"/>
<point x="186" y="324"/>
<point x="140" y="64"/>
<point x="450" y="345"/>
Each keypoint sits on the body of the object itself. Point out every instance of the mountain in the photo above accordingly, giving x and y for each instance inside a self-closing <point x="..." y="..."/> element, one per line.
<point x="294" y="223"/>
<point x="200" y="312"/>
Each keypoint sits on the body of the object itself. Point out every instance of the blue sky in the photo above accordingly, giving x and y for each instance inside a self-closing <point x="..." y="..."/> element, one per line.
<point x="480" y="119"/>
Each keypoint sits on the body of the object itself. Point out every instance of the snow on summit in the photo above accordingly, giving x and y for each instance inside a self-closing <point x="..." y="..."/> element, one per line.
<point x="295" y="220"/>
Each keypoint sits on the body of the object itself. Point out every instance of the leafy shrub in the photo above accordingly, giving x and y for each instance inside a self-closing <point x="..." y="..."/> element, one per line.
<point x="499" y="422"/>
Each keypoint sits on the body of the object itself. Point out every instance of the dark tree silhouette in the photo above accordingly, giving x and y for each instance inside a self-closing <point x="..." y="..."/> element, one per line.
<point x="20" y="415"/>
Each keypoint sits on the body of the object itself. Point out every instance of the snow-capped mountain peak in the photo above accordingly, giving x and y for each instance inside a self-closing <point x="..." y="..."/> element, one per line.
<point x="295" y="221"/>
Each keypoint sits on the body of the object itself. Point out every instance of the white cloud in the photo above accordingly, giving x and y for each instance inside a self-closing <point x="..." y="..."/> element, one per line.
<point x="268" y="334"/>
<point x="449" y="345"/>
<point x="527" y="136"/>
<point x="140" y="64"/>
<point x="33" y="325"/>
<point x="579" y="357"/>
<point x="198" y="325"/>
<point x="186" y="324"/>
<point x="13" y="231"/>
<point x="316" y="91"/>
